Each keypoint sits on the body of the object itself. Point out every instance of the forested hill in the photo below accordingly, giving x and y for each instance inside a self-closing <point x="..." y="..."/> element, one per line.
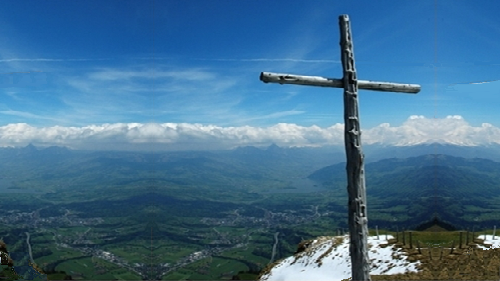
<point x="440" y="175"/>
<point x="461" y="191"/>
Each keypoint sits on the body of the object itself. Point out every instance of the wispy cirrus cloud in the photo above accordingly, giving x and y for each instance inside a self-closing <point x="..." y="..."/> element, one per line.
<point x="474" y="82"/>
<point x="49" y="59"/>
<point x="115" y="74"/>
<point x="275" y="60"/>
<point x="28" y="115"/>
<point x="274" y="115"/>
<point x="190" y="94"/>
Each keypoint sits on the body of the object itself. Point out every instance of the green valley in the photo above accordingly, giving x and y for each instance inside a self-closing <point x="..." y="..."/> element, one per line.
<point x="201" y="215"/>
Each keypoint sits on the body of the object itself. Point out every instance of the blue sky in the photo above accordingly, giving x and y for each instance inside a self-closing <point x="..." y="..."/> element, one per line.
<point x="82" y="64"/>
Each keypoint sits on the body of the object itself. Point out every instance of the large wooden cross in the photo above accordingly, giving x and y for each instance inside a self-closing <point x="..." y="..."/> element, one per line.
<point x="358" y="219"/>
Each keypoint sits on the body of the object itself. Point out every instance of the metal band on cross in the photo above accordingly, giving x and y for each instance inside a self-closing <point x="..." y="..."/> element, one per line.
<point x="357" y="210"/>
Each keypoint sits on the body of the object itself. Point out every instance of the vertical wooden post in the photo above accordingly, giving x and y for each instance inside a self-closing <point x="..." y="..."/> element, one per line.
<point x="397" y="234"/>
<point x="404" y="241"/>
<point x="411" y="245"/>
<point x="460" y="244"/>
<point x="418" y="247"/>
<point x="357" y="208"/>
<point x="452" y="247"/>
<point x="494" y="230"/>
<point x="376" y="230"/>
<point x="358" y="219"/>
<point x="473" y="235"/>
<point x="467" y="238"/>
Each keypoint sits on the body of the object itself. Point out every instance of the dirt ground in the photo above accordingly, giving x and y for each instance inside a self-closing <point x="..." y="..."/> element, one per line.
<point x="465" y="263"/>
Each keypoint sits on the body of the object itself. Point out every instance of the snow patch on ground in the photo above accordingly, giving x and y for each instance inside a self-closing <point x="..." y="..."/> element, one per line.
<point x="327" y="258"/>
<point x="489" y="240"/>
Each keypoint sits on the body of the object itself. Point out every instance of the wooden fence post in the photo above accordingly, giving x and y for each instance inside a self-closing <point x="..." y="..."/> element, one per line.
<point x="494" y="230"/>
<point x="404" y="240"/>
<point x="411" y="245"/>
<point x="418" y="247"/>
<point x="467" y="238"/>
<point x="441" y="255"/>
<point x="452" y="247"/>
<point x="473" y="235"/>
<point x="376" y="230"/>
<point x="460" y="244"/>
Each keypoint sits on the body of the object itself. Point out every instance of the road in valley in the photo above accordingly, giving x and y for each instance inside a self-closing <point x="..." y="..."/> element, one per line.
<point x="29" y="246"/>
<point x="274" y="246"/>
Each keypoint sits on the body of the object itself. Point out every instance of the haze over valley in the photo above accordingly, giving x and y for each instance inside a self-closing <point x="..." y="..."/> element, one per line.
<point x="110" y="214"/>
<point x="137" y="141"/>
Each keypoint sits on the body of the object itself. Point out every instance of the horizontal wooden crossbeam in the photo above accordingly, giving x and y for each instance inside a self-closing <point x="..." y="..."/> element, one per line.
<point x="269" y="77"/>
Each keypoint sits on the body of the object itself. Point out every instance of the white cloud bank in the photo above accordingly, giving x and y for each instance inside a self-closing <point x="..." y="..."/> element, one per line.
<point x="185" y="136"/>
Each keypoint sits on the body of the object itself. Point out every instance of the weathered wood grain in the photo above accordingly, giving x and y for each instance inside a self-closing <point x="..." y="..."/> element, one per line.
<point x="357" y="217"/>
<point x="357" y="208"/>
<point x="282" y="78"/>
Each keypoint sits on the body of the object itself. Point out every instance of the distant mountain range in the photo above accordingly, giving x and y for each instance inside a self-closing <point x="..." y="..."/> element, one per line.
<point x="411" y="184"/>
<point x="260" y="162"/>
<point x="274" y="153"/>
<point x="378" y="152"/>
